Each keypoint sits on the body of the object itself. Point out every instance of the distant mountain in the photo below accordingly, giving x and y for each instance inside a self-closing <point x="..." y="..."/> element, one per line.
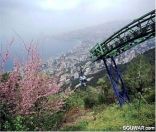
<point x="135" y="51"/>
<point x="67" y="66"/>
<point x="93" y="34"/>
<point x="54" y="45"/>
<point x="77" y="43"/>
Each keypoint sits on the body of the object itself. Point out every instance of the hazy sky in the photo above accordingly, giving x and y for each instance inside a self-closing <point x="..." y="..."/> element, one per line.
<point x="36" y="17"/>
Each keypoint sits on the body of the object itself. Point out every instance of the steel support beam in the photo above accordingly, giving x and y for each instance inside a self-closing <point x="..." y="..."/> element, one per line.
<point x="116" y="81"/>
<point x="129" y="36"/>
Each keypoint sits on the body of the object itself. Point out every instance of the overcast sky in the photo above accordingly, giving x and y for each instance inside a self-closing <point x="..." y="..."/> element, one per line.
<point x="36" y="17"/>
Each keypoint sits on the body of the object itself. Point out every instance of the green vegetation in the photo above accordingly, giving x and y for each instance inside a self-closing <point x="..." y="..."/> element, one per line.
<point x="114" y="118"/>
<point x="95" y="107"/>
<point x="139" y="75"/>
<point x="105" y="114"/>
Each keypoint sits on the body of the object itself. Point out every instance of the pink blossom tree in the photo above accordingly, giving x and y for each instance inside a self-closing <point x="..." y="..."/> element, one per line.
<point x="26" y="83"/>
<point x="34" y="84"/>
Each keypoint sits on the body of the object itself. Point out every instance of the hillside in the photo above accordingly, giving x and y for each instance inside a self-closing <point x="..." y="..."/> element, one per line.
<point x="56" y="67"/>
<point x="96" y="109"/>
<point x="87" y="108"/>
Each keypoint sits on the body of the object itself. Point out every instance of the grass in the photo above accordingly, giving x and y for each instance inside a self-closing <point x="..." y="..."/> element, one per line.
<point x="106" y="117"/>
<point x="114" y="118"/>
<point x="77" y="99"/>
<point x="81" y="126"/>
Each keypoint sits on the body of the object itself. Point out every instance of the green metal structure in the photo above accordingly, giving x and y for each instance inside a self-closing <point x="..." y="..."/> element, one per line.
<point x="129" y="36"/>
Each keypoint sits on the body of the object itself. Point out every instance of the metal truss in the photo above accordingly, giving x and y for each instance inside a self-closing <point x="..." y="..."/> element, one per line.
<point x="129" y="36"/>
<point x="132" y="34"/>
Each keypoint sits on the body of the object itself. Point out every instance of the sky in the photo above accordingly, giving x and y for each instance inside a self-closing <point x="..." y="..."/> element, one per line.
<point x="34" y="18"/>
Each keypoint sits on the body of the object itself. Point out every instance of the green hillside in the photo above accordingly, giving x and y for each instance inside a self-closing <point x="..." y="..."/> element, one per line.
<point x="94" y="107"/>
<point x="97" y="108"/>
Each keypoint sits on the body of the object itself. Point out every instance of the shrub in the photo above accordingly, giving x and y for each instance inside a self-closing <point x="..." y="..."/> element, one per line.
<point x="75" y="100"/>
<point x="78" y="127"/>
<point x="150" y="96"/>
<point x="89" y="102"/>
<point x="19" y="123"/>
<point x="101" y="99"/>
<point x="5" y="116"/>
<point x="46" y="121"/>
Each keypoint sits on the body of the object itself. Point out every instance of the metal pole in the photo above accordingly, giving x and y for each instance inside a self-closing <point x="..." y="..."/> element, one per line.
<point x="112" y="82"/>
